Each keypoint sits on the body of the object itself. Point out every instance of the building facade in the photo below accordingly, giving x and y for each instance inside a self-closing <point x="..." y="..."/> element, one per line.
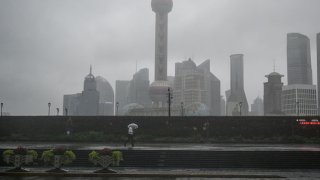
<point x="318" y="70"/>
<point x="196" y="84"/>
<point x="257" y="107"/>
<point x="272" y="94"/>
<point x="223" y="107"/>
<point x="299" y="100"/>
<point x="85" y="103"/>
<point x="70" y="104"/>
<point x="89" y="100"/>
<point x="121" y="100"/>
<point x="298" y="59"/>
<point x="106" y="98"/>
<point x="138" y="91"/>
<point x="237" y="103"/>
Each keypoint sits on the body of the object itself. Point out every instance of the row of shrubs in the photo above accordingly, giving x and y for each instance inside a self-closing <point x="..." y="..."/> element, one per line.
<point x="58" y="157"/>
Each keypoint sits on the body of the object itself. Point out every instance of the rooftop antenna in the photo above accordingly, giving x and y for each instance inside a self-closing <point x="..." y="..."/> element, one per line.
<point x="274" y="65"/>
<point x="90" y="69"/>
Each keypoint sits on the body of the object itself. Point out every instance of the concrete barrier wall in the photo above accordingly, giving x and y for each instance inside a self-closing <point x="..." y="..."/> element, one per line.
<point x="202" y="159"/>
<point x="160" y="126"/>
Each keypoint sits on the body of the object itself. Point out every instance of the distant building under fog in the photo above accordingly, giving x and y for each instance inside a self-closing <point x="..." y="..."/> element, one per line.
<point x="122" y="91"/>
<point x="85" y="103"/>
<point x="299" y="59"/>
<point x="106" y="98"/>
<point x="138" y="91"/>
<point x="272" y="94"/>
<point x="196" y="84"/>
<point x="318" y="73"/>
<point x="237" y="103"/>
<point x="257" y="107"/>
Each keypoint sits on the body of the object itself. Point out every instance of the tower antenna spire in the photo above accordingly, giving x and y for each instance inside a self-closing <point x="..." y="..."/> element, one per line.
<point x="90" y="69"/>
<point x="274" y="65"/>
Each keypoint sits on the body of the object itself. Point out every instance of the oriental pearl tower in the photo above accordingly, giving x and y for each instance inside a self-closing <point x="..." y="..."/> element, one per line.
<point x="159" y="88"/>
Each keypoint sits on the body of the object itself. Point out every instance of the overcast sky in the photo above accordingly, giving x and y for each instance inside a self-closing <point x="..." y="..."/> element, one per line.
<point x="47" y="46"/>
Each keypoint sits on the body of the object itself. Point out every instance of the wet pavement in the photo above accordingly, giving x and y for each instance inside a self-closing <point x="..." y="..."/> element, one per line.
<point x="287" y="174"/>
<point x="196" y="147"/>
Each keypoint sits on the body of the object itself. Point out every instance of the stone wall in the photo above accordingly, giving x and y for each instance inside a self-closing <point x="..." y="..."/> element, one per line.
<point x="160" y="126"/>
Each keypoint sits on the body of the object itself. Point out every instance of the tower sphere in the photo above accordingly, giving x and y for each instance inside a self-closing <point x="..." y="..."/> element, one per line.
<point x="162" y="6"/>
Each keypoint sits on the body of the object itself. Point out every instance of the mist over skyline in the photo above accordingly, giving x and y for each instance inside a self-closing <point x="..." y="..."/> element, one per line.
<point x="46" y="46"/>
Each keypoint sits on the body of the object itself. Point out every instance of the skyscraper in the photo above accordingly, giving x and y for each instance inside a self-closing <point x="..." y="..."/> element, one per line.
<point x="257" y="107"/>
<point x="106" y="98"/>
<point x="318" y="62"/>
<point x="122" y="89"/>
<point x="212" y="86"/>
<point x="196" y="84"/>
<point x="70" y="104"/>
<point x="85" y="103"/>
<point x="272" y="94"/>
<point x="162" y="9"/>
<point x="159" y="89"/>
<point x="299" y="100"/>
<point x="298" y="59"/>
<point x="139" y="88"/>
<point x="89" y="100"/>
<point x="223" y="107"/>
<point x="237" y="103"/>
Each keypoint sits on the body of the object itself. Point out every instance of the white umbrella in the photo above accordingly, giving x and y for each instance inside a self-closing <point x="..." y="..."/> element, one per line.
<point x="133" y="125"/>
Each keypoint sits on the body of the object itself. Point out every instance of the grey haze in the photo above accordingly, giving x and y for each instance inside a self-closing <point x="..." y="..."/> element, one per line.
<point x="47" y="46"/>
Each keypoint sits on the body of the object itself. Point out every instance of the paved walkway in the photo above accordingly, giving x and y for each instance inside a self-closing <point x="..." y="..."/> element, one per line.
<point x="201" y="147"/>
<point x="145" y="173"/>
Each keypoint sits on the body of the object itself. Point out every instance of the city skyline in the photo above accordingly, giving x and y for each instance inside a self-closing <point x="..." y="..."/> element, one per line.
<point x="200" y="43"/>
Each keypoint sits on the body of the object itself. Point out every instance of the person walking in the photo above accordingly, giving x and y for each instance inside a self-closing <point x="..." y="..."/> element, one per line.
<point x="130" y="135"/>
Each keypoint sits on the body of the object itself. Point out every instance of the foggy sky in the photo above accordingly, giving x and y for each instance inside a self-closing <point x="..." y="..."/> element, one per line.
<point x="47" y="46"/>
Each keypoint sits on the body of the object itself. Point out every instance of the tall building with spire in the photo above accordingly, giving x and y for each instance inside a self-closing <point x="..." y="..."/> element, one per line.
<point x="159" y="89"/>
<point x="85" y="103"/>
<point x="89" y="101"/>
<point x="298" y="59"/>
<point x="237" y="103"/>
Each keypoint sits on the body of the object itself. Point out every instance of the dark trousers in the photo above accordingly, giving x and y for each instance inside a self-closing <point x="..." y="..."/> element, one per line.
<point x="130" y="139"/>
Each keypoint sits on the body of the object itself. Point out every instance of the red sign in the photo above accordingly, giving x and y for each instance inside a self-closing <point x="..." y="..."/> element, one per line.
<point x="313" y="122"/>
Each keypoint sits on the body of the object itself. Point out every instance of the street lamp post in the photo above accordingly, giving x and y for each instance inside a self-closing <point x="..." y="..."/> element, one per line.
<point x="182" y="109"/>
<point x="1" y="108"/>
<point x="240" y="105"/>
<point x="49" y="105"/>
<point x="169" y="102"/>
<point x="66" y="110"/>
<point x="117" y="108"/>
